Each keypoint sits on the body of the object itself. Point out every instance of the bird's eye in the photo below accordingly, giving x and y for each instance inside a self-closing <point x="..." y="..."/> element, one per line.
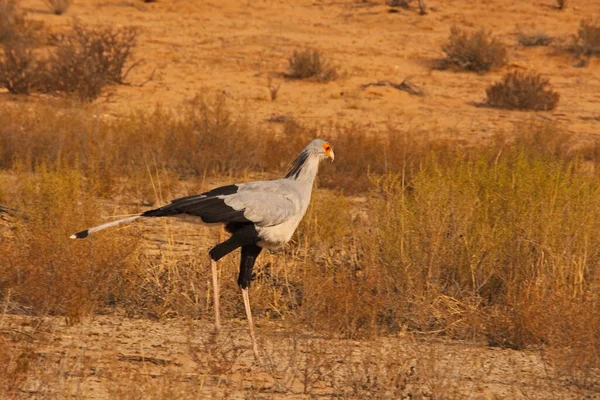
<point x="326" y="147"/>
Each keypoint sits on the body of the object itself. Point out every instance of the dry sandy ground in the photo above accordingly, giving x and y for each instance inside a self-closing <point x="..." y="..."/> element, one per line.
<point x="115" y="357"/>
<point x="235" y="47"/>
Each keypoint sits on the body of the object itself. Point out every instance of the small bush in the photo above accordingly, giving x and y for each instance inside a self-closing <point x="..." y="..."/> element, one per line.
<point x="86" y="60"/>
<point x="83" y="62"/>
<point x="589" y="37"/>
<point x="477" y="51"/>
<point x="58" y="7"/>
<point x="311" y="64"/>
<point x="522" y="90"/>
<point x="534" y="39"/>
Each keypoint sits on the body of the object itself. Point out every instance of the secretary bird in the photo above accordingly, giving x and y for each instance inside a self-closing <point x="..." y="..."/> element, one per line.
<point x="258" y="215"/>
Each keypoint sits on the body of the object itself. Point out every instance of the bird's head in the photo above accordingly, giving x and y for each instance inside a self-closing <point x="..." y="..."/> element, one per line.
<point x="322" y="148"/>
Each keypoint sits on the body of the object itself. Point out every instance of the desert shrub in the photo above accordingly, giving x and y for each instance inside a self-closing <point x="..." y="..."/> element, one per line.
<point x="86" y="60"/>
<point x="534" y="39"/>
<point x="58" y="7"/>
<point x="311" y="64"/>
<point x="522" y="91"/>
<point x="589" y="37"/>
<point x="477" y="51"/>
<point x="82" y="63"/>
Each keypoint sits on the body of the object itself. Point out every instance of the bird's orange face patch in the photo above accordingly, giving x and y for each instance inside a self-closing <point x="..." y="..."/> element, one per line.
<point x="327" y="148"/>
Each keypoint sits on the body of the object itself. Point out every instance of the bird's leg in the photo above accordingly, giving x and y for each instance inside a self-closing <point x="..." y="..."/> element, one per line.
<point x="213" y="265"/>
<point x="249" y="254"/>
<point x="250" y="324"/>
<point x="243" y="236"/>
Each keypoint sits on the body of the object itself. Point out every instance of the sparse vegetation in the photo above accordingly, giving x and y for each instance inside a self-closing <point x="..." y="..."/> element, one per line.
<point x="448" y="242"/>
<point x="589" y="37"/>
<point x="311" y="64"/>
<point x="420" y="248"/>
<point x="58" y="7"/>
<point x="561" y="4"/>
<point x="522" y="91"/>
<point x="474" y="51"/>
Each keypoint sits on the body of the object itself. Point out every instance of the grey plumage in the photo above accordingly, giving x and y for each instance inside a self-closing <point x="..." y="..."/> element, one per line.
<point x="274" y="208"/>
<point x="258" y="215"/>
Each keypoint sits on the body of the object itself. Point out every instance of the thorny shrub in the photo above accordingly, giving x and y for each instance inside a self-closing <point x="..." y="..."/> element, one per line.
<point x="474" y="51"/>
<point x="82" y="62"/>
<point x="522" y="91"/>
<point x="86" y="60"/>
<point x="310" y="63"/>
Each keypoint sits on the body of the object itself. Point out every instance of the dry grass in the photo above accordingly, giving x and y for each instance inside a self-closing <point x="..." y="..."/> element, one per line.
<point x="50" y="275"/>
<point x="484" y="244"/>
<point x="311" y="64"/>
<point x="522" y="91"/>
<point x="475" y="51"/>
<point x="186" y="142"/>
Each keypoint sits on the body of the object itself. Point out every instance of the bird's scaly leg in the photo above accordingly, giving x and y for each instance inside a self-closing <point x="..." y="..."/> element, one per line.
<point x="213" y="265"/>
<point x="250" y="324"/>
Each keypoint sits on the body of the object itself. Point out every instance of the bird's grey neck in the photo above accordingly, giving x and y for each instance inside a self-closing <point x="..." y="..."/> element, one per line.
<point x="304" y="168"/>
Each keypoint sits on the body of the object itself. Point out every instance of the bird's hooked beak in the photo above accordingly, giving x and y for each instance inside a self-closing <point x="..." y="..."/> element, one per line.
<point x="328" y="151"/>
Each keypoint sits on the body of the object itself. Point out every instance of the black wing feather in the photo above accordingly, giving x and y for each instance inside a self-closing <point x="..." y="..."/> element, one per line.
<point x="208" y="206"/>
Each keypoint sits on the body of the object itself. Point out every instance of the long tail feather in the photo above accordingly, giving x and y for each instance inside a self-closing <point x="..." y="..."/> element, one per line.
<point x="86" y="233"/>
